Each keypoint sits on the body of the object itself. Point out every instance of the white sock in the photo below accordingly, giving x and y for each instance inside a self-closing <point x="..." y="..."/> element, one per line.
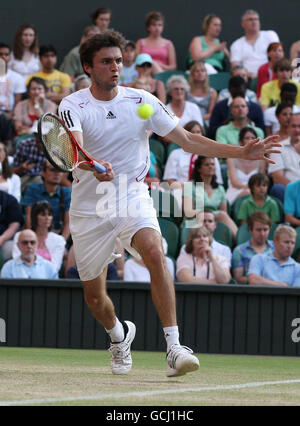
<point x="116" y="334"/>
<point x="171" y="336"/>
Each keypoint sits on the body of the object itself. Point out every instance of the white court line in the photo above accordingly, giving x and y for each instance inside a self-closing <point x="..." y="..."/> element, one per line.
<point x="146" y="393"/>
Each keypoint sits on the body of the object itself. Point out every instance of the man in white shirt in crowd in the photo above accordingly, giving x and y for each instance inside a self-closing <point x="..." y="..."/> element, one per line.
<point x="12" y="85"/>
<point x="287" y="168"/>
<point x="251" y="49"/>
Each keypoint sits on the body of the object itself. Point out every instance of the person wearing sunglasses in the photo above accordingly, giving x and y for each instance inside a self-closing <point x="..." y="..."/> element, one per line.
<point x="28" y="264"/>
<point x="145" y="81"/>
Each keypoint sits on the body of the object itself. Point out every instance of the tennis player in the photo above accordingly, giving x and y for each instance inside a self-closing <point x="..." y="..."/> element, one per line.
<point x="103" y="118"/>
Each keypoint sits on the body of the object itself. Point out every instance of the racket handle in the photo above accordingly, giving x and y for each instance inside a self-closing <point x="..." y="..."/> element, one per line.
<point x="99" y="168"/>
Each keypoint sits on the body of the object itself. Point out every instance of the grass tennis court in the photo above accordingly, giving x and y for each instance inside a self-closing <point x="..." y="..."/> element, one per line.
<point x="83" y="377"/>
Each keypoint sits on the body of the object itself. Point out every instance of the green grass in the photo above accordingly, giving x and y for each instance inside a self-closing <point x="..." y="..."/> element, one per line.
<point x="31" y="373"/>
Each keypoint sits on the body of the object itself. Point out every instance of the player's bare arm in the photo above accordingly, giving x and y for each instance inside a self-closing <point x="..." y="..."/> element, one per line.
<point x="256" y="149"/>
<point x="109" y="175"/>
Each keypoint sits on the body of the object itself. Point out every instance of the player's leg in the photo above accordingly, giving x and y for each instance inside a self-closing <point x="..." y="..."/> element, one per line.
<point x="147" y="242"/>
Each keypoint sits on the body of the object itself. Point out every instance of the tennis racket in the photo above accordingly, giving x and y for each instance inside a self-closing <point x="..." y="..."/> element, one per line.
<point x="60" y="146"/>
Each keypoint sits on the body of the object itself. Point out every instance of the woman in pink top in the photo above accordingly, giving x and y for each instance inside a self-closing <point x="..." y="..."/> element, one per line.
<point x="160" y="49"/>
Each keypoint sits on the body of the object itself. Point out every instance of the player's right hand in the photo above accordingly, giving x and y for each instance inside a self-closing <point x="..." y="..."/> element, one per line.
<point x="108" y="175"/>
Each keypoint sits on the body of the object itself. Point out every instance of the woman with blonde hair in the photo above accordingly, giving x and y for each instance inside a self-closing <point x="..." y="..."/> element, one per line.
<point x="200" y="91"/>
<point x="208" y="47"/>
<point x="197" y="264"/>
<point x="24" y="58"/>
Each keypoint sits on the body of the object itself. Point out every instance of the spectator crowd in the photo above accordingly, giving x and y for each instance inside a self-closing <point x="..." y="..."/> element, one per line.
<point x="247" y="228"/>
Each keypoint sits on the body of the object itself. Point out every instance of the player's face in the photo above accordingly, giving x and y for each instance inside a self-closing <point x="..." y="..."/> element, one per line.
<point x="285" y="245"/>
<point x="107" y="67"/>
<point x="260" y="233"/>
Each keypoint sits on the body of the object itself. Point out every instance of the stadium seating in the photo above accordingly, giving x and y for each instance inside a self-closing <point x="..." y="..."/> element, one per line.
<point x="159" y="151"/>
<point x="165" y="75"/>
<point x="244" y="235"/>
<point x="219" y="81"/>
<point x="170" y="232"/>
<point x="166" y="206"/>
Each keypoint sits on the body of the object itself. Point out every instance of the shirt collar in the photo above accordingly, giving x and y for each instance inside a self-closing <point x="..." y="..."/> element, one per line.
<point x="290" y="260"/>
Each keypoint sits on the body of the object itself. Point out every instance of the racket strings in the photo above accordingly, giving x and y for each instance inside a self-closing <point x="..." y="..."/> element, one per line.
<point x="58" y="143"/>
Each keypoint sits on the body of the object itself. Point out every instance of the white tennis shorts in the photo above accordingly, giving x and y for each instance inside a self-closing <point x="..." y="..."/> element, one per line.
<point x="94" y="238"/>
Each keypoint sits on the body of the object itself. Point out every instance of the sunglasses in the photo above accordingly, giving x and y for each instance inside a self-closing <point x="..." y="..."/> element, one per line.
<point x="146" y="65"/>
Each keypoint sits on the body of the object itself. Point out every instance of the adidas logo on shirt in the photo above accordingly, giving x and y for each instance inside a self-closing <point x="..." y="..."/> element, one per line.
<point x="110" y="115"/>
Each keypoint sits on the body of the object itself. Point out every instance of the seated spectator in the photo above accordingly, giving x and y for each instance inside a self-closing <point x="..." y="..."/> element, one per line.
<point x="81" y="82"/>
<point x="177" y="89"/>
<point x="27" y="112"/>
<point x="160" y="49"/>
<point x="145" y="80"/>
<point x="180" y="163"/>
<point x="71" y="63"/>
<point x="208" y="47"/>
<point x="292" y="203"/>
<point x="198" y="264"/>
<point x="259" y="200"/>
<point x="259" y="225"/>
<point x="28" y="264"/>
<point x="200" y="92"/>
<point x="237" y="87"/>
<point x="50" y="246"/>
<point x="286" y="168"/>
<point x="101" y="18"/>
<point x="136" y="270"/>
<point x="129" y="72"/>
<point x="213" y="195"/>
<point x="295" y="50"/>
<point x="240" y="170"/>
<point x="52" y="191"/>
<point x="266" y="72"/>
<point x="24" y="57"/>
<point x="9" y="181"/>
<point x="288" y="94"/>
<point x="58" y="83"/>
<point x="229" y="133"/>
<point x="238" y="71"/>
<point x="251" y="49"/>
<point x="277" y="268"/>
<point x="11" y="218"/>
<point x="28" y="160"/>
<point x="270" y="92"/>
<point x="12" y="85"/>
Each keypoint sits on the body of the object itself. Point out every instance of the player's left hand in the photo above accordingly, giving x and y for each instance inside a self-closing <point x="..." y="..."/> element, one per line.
<point x="109" y="175"/>
<point x="258" y="149"/>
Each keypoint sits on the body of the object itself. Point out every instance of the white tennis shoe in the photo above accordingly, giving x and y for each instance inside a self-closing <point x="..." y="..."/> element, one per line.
<point x="121" y="361"/>
<point x="181" y="361"/>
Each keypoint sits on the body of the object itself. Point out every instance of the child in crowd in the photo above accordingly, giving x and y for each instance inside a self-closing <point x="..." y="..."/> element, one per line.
<point x="259" y="200"/>
<point x="129" y="72"/>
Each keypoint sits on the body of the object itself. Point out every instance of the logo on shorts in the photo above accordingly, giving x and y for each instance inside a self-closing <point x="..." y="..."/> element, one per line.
<point x="110" y="115"/>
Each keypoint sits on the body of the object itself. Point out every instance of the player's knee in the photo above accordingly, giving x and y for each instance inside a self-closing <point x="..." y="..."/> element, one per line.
<point x="93" y="300"/>
<point x="154" y="255"/>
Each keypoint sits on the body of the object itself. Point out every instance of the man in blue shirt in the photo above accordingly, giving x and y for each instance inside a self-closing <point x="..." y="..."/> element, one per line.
<point x="277" y="268"/>
<point x="28" y="265"/>
<point x="52" y="191"/>
<point x="292" y="203"/>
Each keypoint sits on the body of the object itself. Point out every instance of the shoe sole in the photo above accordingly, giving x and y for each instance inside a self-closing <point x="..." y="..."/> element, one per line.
<point x="187" y="366"/>
<point x="132" y="328"/>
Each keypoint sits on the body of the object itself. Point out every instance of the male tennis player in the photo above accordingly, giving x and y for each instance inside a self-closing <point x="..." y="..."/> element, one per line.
<point x="103" y="118"/>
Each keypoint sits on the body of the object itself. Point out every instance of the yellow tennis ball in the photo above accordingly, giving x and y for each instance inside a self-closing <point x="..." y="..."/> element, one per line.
<point x="145" y="111"/>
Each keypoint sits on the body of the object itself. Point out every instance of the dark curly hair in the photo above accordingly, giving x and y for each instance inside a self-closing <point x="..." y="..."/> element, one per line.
<point x="196" y="177"/>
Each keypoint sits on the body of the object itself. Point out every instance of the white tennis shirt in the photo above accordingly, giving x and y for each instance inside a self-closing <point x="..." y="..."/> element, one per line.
<point x="112" y="131"/>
